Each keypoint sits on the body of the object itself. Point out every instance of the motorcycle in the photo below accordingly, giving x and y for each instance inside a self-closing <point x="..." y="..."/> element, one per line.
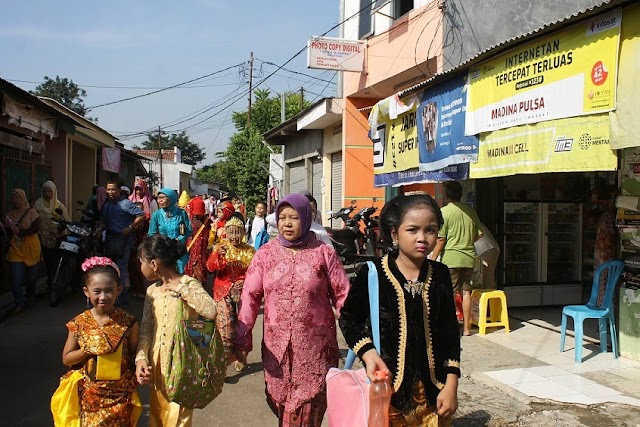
<point x="76" y="244"/>
<point x="351" y="244"/>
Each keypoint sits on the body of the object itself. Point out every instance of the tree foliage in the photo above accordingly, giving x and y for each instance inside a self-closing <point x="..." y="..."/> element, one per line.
<point x="66" y="92"/>
<point x="191" y="152"/>
<point x="266" y="110"/>
<point x="244" y="166"/>
<point x="216" y="172"/>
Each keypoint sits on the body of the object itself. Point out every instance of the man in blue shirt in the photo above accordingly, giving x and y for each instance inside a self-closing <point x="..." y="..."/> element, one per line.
<point x="119" y="217"/>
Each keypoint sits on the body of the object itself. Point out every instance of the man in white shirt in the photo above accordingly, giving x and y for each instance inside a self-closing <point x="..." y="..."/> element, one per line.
<point x="258" y="224"/>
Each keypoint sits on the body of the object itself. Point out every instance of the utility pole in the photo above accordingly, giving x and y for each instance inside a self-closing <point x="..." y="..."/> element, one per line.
<point x="301" y="99"/>
<point x="250" y="89"/>
<point x="283" y="107"/>
<point x="160" y="154"/>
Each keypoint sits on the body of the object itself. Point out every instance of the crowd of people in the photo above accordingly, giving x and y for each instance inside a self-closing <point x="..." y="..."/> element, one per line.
<point x="167" y="247"/>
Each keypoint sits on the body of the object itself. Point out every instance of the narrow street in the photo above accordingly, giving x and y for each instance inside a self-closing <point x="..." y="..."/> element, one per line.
<point x="31" y="368"/>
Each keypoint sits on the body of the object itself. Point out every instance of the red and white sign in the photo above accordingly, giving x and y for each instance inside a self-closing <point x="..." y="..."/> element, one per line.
<point x="335" y="54"/>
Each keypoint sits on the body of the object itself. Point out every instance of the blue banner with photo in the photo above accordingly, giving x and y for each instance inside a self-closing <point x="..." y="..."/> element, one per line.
<point x="414" y="176"/>
<point x="441" y="119"/>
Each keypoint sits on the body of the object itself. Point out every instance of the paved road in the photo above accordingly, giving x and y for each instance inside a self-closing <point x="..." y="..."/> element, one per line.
<point x="30" y="366"/>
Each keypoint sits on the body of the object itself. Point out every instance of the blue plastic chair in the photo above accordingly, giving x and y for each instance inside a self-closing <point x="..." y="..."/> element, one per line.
<point x="602" y="312"/>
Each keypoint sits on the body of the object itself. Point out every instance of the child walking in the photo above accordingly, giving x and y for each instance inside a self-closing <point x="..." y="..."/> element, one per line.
<point x="102" y="332"/>
<point x="230" y="260"/>
<point x="419" y="334"/>
<point x="158" y="257"/>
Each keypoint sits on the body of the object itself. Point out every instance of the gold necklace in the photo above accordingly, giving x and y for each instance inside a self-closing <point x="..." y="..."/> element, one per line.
<point x="414" y="287"/>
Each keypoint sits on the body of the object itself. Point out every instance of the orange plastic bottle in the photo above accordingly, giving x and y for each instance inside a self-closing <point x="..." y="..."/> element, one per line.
<point x="379" y="399"/>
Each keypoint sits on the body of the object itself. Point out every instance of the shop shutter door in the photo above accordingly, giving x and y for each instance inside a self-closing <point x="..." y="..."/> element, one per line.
<point x="336" y="185"/>
<point x="316" y="190"/>
<point x="297" y="177"/>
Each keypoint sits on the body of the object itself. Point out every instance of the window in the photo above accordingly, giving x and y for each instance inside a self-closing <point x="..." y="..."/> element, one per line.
<point x="378" y="4"/>
<point x="365" y="19"/>
<point x="402" y="7"/>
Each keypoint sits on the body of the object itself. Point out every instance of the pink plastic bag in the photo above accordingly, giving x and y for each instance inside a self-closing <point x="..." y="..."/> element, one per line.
<point x="347" y="398"/>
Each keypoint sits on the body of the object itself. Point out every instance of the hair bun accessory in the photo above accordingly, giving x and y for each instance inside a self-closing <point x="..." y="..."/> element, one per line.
<point x="98" y="261"/>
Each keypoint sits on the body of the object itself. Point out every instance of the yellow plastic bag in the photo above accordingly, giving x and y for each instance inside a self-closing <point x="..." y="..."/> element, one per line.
<point x="65" y="402"/>
<point x="109" y="365"/>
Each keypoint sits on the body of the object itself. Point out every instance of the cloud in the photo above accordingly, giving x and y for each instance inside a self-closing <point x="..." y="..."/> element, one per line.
<point x="97" y="38"/>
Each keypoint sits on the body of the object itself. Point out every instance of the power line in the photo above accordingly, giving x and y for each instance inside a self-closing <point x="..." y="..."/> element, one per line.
<point x="296" y="72"/>
<point x="279" y="67"/>
<point x="163" y="89"/>
<point x="135" y="87"/>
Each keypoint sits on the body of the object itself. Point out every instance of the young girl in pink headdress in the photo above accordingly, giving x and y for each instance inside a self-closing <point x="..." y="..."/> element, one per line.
<point x="103" y="332"/>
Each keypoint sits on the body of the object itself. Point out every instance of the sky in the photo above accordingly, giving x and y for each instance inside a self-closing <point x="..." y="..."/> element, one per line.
<point x="135" y="47"/>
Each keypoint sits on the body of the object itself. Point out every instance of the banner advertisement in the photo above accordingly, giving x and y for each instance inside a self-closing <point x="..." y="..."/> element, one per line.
<point x="576" y="144"/>
<point x="441" y="138"/>
<point x="570" y="73"/>
<point x="625" y="126"/>
<point x="395" y="146"/>
<point x="457" y="172"/>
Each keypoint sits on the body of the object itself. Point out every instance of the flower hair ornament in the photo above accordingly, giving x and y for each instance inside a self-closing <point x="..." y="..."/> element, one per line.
<point x="98" y="261"/>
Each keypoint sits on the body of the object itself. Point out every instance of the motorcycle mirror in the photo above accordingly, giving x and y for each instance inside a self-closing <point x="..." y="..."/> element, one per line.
<point x="375" y="199"/>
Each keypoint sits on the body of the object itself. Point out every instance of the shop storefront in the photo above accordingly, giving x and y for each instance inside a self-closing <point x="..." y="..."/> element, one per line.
<point x="542" y="125"/>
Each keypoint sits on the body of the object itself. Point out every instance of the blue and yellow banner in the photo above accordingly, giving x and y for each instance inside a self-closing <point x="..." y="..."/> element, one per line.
<point x="441" y="115"/>
<point x="395" y="145"/>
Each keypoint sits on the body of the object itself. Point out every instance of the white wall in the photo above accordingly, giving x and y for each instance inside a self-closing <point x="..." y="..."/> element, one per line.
<point x="172" y="172"/>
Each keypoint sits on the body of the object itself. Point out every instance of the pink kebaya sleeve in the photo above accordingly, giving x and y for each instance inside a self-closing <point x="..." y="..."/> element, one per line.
<point x="252" y="293"/>
<point x="339" y="284"/>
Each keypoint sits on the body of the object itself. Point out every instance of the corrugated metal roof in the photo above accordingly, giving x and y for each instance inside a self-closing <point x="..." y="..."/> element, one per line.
<point x="514" y="41"/>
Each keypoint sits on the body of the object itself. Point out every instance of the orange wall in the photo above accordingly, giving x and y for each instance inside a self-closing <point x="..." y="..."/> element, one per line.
<point x="410" y="49"/>
<point x="427" y="188"/>
<point x="357" y="164"/>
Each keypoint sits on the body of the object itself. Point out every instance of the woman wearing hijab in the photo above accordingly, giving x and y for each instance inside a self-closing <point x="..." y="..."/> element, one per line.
<point x="24" y="250"/>
<point x="302" y="281"/>
<point x="51" y="211"/>
<point x="142" y="194"/>
<point x="143" y="199"/>
<point x="171" y="221"/>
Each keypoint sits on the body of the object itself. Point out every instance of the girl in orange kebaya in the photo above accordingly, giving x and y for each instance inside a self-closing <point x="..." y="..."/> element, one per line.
<point x="230" y="260"/>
